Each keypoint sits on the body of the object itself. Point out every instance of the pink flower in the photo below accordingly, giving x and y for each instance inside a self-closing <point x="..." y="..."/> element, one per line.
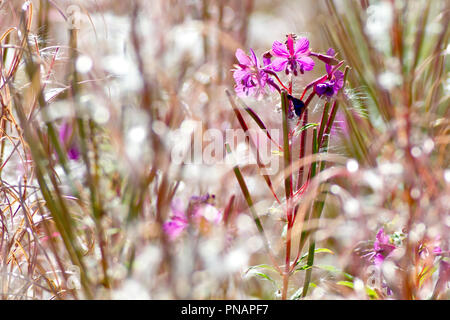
<point x="65" y="138"/>
<point x="292" y="56"/>
<point x="334" y="83"/>
<point x="53" y="235"/>
<point x="250" y="78"/>
<point x="329" y="67"/>
<point x="178" y="221"/>
<point x="382" y="248"/>
<point x="199" y="209"/>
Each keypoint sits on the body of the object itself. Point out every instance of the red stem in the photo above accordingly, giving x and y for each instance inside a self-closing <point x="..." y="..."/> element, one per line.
<point x="278" y="79"/>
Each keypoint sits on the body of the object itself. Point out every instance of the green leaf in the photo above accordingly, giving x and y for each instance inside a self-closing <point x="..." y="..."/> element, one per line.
<point x="299" y="292"/>
<point x="261" y="266"/>
<point x="426" y="273"/>
<point x="277" y="153"/>
<point x="328" y="268"/>
<point x="265" y="276"/>
<point x="305" y="127"/>
<point x="345" y="283"/>
<point x="371" y="293"/>
<point x="303" y="267"/>
<point x="318" y="250"/>
<point x="348" y="275"/>
<point x="323" y="250"/>
<point x="262" y="275"/>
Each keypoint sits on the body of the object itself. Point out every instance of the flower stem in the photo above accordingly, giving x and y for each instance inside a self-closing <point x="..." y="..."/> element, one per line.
<point x="251" y="144"/>
<point x="276" y="77"/>
<point x="312" y="245"/>
<point x="288" y="190"/>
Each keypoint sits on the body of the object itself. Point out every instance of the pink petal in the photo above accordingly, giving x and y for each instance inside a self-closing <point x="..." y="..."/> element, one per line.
<point x="73" y="153"/>
<point x="243" y="58"/>
<point x="267" y="58"/>
<point x="290" y="45"/>
<point x="279" y="49"/>
<point x="174" y="228"/>
<point x="65" y="132"/>
<point x="239" y="89"/>
<point x="378" y="259"/>
<point x="279" y="64"/>
<point x="339" y="78"/>
<point x="302" y="45"/>
<point x="253" y="57"/>
<point x="437" y="250"/>
<point x="243" y="91"/>
<point x="330" y="52"/>
<point x="387" y="249"/>
<point x="381" y="237"/>
<point x="306" y="62"/>
<point x="238" y="75"/>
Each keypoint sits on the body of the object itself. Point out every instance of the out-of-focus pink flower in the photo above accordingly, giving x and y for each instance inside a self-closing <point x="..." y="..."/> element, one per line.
<point x="382" y="248"/>
<point x="292" y="56"/>
<point x="428" y="247"/>
<point x="53" y="235"/>
<point x="65" y="138"/>
<point x="178" y="221"/>
<point x="199" y="209"/>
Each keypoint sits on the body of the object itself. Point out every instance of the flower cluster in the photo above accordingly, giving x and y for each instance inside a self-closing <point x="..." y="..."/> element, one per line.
<point x="200" y="211"/>
<point x="293" y="57"/>
<point x="250" y="78"/>
<point x="427" y="251"/>
<point x="384" y="246"/>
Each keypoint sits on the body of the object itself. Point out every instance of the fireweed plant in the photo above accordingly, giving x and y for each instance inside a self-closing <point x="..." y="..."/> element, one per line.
<point x="292" y="58"/>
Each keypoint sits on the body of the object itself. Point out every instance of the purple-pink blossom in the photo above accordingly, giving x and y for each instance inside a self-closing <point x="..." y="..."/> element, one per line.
<point x="250" y="77"/>
<point x="178" y="221"/>
<point x="65" y="138"/>
<point x="382" y="248"/>
<point x="334" y="83"/>
<point x="292" y="56"/>
<point x="200" y="208"/>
